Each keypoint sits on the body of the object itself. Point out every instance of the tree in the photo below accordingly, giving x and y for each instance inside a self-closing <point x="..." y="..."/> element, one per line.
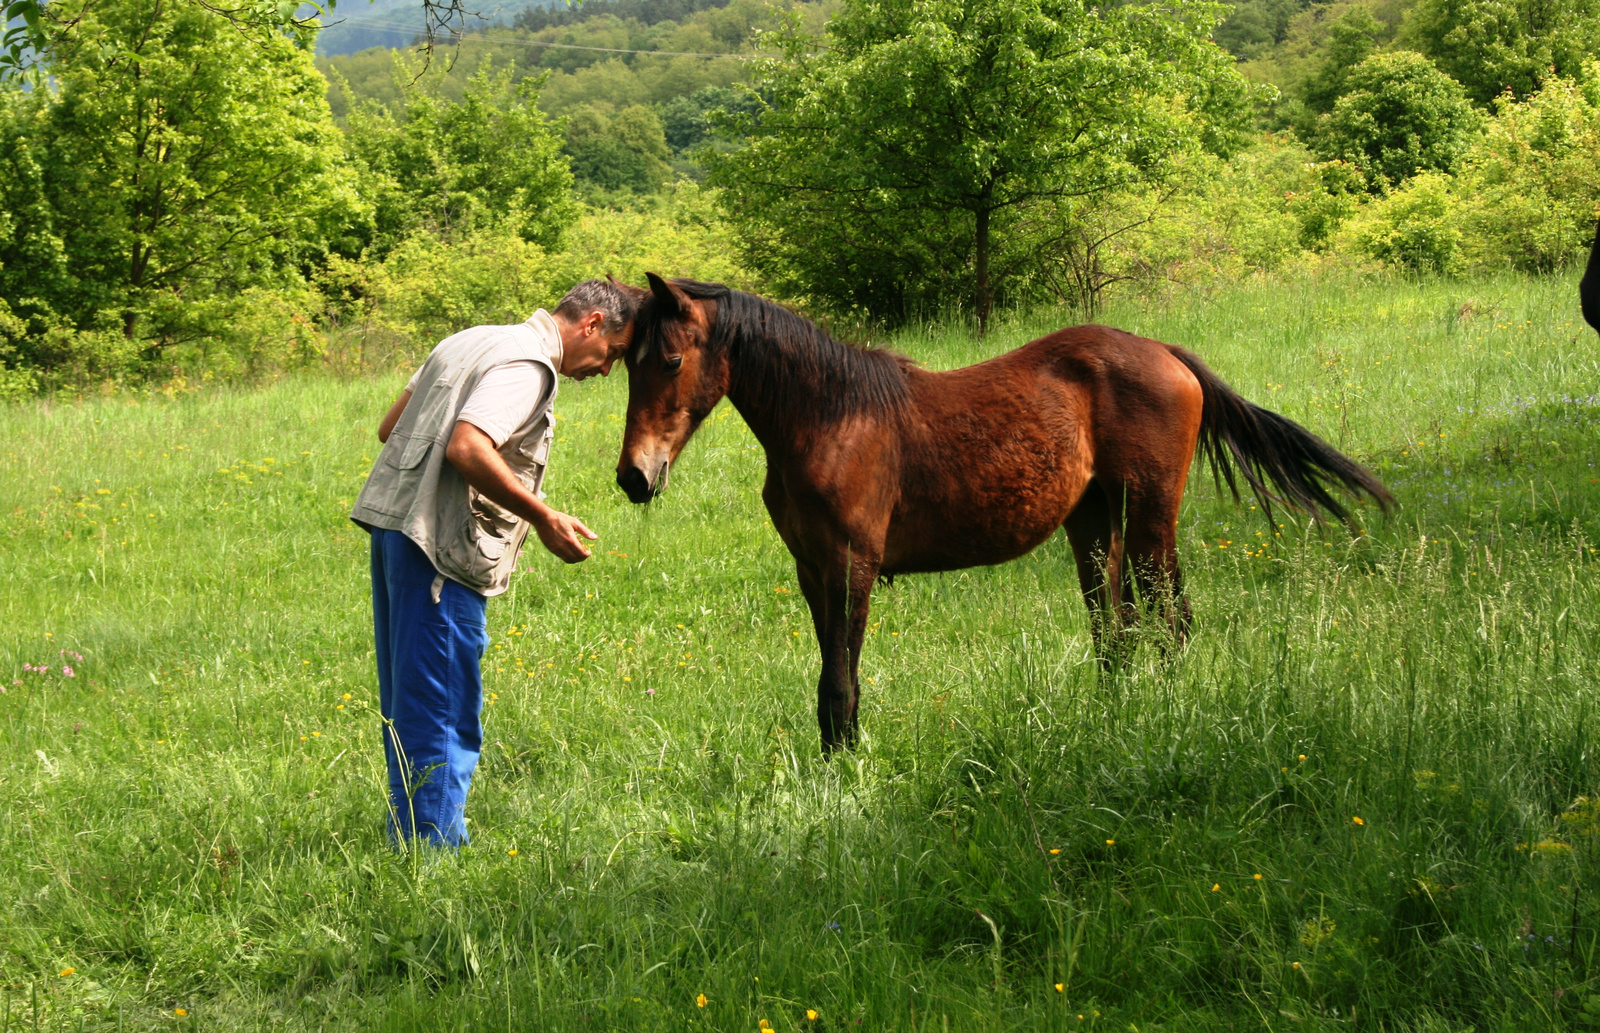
<point x="167" y="160"/>
<point x="1491" y="46"/>
<point x="452" y="168"/>
<point x="1399" y="115"/>
<point x="622" y="152"/>
<point x="898" y="150"/>
<point x="1351" y="40"/>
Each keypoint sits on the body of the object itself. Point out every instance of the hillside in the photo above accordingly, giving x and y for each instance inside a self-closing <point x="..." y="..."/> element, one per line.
<point x="389" y="24"/>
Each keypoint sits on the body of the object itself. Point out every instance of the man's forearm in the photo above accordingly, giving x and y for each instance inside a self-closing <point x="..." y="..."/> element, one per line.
<point x="474" y="456"/>
<point x="479" y="463"/>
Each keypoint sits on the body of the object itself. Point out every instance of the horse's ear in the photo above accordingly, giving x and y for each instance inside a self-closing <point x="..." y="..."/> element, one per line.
<point x="638" y="294"/>
<point x="674" y="303"/>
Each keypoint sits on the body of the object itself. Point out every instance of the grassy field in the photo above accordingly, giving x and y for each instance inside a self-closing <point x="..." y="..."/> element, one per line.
<point x="1366" y="797"/>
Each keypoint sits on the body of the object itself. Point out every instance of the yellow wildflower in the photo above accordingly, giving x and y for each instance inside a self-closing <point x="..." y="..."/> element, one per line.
<point x="811" y="1015"/>
<point x="180" y="1012"/>
<point x="67" y="972"/>
<point x="700" y="1001"/>
<point x="1358" y="821"/>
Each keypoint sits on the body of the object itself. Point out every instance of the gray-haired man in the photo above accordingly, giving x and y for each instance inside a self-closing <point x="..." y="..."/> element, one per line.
<point x="448" y="504"/>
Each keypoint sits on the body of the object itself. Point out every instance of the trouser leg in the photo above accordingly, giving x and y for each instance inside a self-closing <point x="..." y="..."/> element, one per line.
<point x="431" y="697"/>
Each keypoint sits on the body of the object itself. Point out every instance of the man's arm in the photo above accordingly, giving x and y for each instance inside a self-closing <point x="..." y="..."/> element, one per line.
<point x="474" y="456"/>
<point x="392" y="417"/>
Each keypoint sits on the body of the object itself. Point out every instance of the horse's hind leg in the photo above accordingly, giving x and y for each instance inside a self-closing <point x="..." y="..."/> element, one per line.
<point x="1151" y="557"/>
<point x="1094" y="528"/>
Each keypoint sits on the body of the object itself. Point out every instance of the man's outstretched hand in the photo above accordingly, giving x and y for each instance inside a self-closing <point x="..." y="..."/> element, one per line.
<point x="563" y="535"/>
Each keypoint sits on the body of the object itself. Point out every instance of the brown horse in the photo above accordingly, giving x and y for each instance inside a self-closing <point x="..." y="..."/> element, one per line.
<point x="876" y="467"/>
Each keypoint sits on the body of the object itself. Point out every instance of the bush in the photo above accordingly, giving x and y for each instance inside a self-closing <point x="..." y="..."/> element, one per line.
<point x="1529" y="187"/>
<point x="1399" y="115"/>
<point x="428" y="287"/>
<point x="1414" y="228"/>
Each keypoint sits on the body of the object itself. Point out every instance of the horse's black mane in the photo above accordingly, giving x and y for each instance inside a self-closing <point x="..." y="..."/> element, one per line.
<point x="783" y="361"/>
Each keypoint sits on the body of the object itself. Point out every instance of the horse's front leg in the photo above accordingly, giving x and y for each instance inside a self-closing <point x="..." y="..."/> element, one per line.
<point x="839" y="592"/>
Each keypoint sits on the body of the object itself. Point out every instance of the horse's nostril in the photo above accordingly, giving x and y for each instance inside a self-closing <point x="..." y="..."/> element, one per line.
<point x="632" y="481"/>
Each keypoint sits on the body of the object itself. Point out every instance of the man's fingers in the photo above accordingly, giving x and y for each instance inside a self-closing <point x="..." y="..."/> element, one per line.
<point x="576" y="550"/>
<point x="583" y="530"/>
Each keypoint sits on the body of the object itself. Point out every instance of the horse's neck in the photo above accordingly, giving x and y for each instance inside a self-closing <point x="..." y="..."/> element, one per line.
<point x="753" y="374"/>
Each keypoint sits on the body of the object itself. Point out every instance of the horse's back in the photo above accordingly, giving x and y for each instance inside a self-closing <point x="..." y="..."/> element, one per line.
<point x="1103" y="365"/>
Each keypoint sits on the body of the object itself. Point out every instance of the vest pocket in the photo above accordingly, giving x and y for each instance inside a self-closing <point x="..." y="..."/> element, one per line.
<point x="477" y="549"/>
<point x="408" y="452"/>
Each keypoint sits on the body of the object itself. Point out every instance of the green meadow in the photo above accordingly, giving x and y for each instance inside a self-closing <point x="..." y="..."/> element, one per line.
<point x="1366" y="797"/>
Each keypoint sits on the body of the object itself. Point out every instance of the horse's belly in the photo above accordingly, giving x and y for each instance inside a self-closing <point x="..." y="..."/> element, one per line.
<point x="980" y="529"/>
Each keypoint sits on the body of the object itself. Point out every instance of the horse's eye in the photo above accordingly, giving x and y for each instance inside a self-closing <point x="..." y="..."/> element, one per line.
<point x="671" y="364"/>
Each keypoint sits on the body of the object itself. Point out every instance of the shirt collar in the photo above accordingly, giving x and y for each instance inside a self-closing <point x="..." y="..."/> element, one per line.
<point x="549" y="333"/>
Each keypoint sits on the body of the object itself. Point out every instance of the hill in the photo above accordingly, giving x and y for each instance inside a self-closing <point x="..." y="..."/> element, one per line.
<point x="389" y="24"/>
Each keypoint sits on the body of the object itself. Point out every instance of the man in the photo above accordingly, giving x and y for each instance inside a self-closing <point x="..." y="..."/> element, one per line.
<point x="448" y="503"/>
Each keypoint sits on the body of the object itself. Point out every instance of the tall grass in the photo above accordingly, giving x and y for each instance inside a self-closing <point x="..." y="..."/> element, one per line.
<point x="1362" y="798"/>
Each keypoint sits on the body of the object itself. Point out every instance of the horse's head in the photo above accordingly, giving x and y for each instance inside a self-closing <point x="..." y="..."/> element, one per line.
<point x="675" y="379"/>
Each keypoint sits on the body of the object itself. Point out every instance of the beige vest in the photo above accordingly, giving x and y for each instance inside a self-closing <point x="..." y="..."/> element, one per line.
<point x="469" y="538"/>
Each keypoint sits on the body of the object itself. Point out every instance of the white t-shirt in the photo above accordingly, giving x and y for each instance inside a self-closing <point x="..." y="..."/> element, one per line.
<point x="504" y="399"/>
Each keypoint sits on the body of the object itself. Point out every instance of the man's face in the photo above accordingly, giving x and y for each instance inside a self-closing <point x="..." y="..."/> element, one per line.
<point x="586" y="350"/>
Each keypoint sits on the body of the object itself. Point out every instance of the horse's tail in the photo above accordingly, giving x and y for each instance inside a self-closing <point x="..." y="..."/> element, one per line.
<point x="1280" y="460"/>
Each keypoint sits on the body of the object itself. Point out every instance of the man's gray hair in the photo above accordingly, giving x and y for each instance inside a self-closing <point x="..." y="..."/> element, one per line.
<point x="602" y="296"/>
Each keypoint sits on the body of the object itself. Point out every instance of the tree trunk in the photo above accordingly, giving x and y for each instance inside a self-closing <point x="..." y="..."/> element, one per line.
<point x="985" y="298"/>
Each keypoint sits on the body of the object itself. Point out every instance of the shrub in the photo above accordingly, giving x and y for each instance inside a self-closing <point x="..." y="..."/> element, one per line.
<point x="1399" y="115"/>
<point x="1415" y="228"/>
<point x="1530" y="186"/>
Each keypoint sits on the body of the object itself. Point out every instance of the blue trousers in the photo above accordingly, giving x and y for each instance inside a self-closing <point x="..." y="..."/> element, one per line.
<point x="430" y="689"/>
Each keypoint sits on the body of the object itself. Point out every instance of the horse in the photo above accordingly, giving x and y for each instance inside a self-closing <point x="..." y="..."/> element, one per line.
<point x="1589" y="286"/>
<point x="877" y="467"/>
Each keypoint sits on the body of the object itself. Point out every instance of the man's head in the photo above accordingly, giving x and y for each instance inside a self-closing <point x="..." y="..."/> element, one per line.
<point x="596" y="320"/>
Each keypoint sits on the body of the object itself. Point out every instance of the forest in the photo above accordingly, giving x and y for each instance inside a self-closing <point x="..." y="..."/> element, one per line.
<point x="192" y="199"/>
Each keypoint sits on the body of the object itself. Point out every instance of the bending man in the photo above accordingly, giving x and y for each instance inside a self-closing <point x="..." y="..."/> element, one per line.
<point x="448" y="503"/>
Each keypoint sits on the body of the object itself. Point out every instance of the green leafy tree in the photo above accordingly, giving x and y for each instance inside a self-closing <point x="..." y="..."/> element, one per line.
<point x="167" y="160"/>
<point x="691" y="120"/>
<point x="1351" y="40"/>
<point x="452" y="168"/>
<point x="1491" y="46"/>
<point x="622" y="152"/>
<point x="1399" y="115"/>
<point x="900" y="149"/>
<point x="1254" y="24"/>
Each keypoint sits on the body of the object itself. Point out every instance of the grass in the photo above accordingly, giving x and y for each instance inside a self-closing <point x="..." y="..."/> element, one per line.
<point x="1362" y="799"/>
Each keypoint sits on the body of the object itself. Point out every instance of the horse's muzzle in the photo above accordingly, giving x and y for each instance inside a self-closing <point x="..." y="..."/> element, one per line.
<point x="632" y="480"/>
